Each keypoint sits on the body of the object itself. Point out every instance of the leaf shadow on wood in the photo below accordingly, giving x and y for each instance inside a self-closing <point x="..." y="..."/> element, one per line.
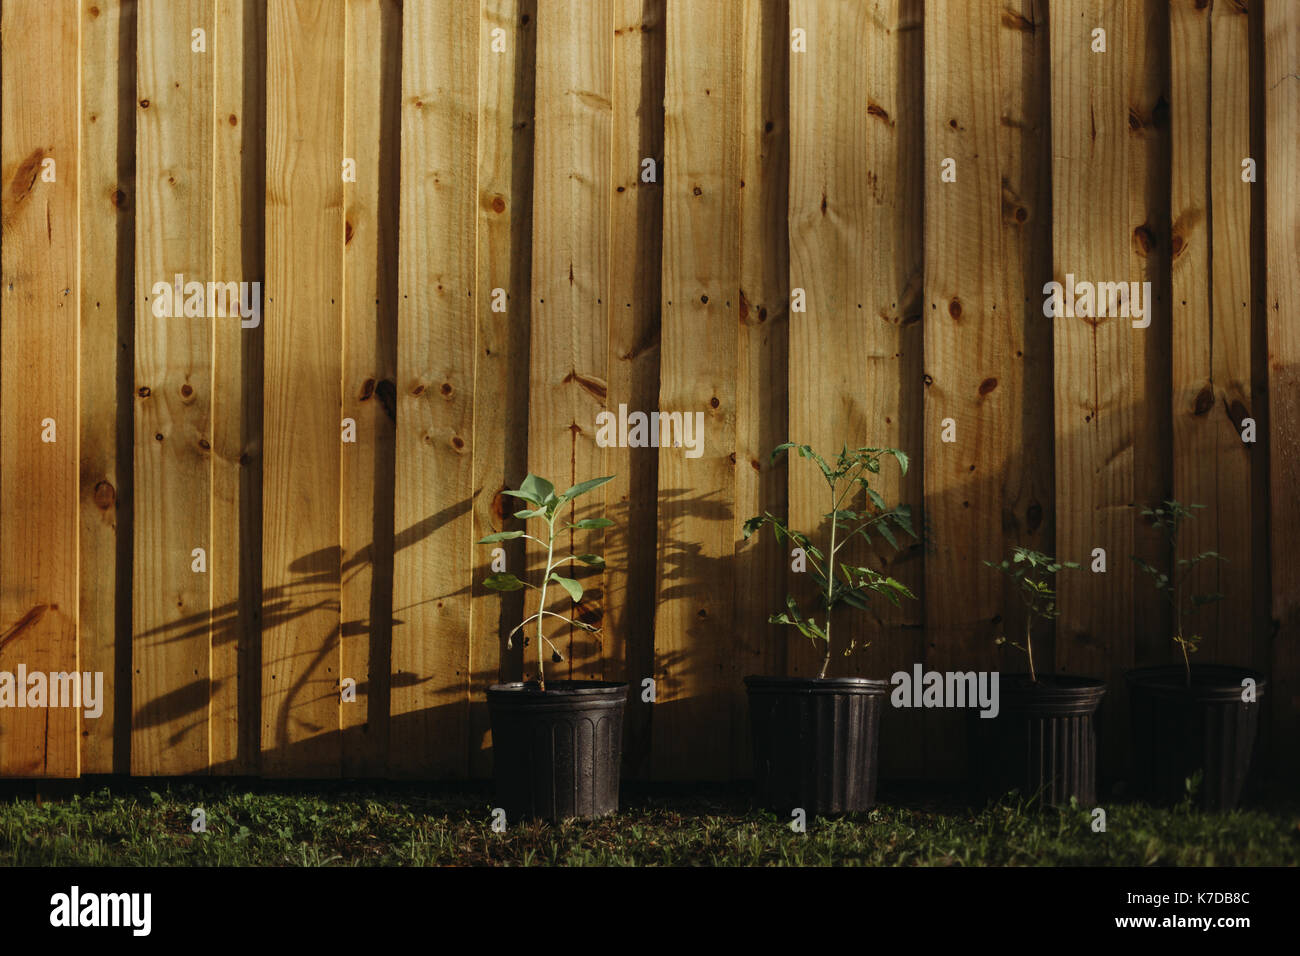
<point x="314" y="588"/>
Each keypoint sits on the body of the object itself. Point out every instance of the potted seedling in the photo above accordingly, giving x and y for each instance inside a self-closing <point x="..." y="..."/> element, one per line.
<point x="557" y="744"/>
<point x="1043" y="741"/>
<point x="815" y="738"/>
<point x="1190" y="720"/>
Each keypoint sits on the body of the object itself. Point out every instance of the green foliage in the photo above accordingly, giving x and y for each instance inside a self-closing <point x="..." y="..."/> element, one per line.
<point x="548" y="507"/>
<point x="350" y="824"/>
<point x="1174" y="582"/>
<point x="842" y="583"/>
<point x="1034" y="575"/>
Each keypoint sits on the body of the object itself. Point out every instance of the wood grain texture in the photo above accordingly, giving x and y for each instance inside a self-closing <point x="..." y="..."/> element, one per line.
<point x="904" y="744"/>
<point x="636" y="224"/>
<point x="435" y="388"/>
<point x="975" y="329"/>
<point x="1234" y="639"/>
<point x="171" y="689"/>
<point x="107" y="220"/>
<point x="762" y="384"/>
<point x="1212" y="380"/>
<point x="775" y="170"/>
<point x="302" y="398"/>
<point x="238" y="41"/>
<point x="1146" y="67"/>
<point x="1098" y="372"/>
<point x="505" y="102"/>
<point x="1282" y="230"/>
<point x="570" y="294"/>
<point x="371" y="126"/>
<point x="39" y="319"/>
<point x="1197" y="423"/>
<point x="854" y="354"/>
<point x="1024" y="128"/>
<point x="695" y="617"/>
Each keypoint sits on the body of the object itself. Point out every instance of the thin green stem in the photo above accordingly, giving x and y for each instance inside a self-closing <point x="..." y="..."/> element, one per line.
<point x="830" y="583"/>
<point x="550" y="553"/>
<point x="1029" y="646"/>
<point x="1177" y="580"/>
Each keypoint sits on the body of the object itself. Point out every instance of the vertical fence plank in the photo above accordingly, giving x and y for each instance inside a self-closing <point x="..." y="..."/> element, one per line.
<point x="435" y="389"/>
<point x="694" y="621"/>
<point x="371" y="128"/>
<point x="1212" y="313"/>
<point x="237" y="44"/>
<point x="1145" y="49"/>
<point x="106" y="174"/>
<point x="1197" y="423"/>
<point x="762" y="386"/>
<point x="974" y="340"/>
<point x="830" y="228"/>
<point x="1097" y="369"/>
<point x="505" y="103"/>
<point x="852" y="125"/>
<point x="635" y="251"/>
<point x="302" y="404"/>
<point x="1027" y="481"/>
<point x="570" y="291"/>
<point x="38" y="381"/>
<point x="173" y="402"/>
<point x="903" y="743"/>
<point x="1281" y="174"/>
<point x="1234" y="639"/>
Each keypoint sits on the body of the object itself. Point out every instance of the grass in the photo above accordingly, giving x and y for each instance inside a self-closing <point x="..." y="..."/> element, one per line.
<point x="337" y="825"/>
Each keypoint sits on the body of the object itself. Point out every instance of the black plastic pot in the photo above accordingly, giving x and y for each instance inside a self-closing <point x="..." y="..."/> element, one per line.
<point x="1179" y="731"/>
<point x="1043" y="741"/>
<point x="815" y="742"/>
<point x="556" y="753"/>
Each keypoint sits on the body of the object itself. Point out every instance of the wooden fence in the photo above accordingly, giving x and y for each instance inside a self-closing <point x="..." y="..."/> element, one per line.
<point x="477" y="224"/>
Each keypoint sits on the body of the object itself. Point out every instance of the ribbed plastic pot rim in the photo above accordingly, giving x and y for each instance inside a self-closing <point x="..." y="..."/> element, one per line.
<point x="816" y="685"/>
<point x="1210" y="682"/>
<point x="1054" y="681"/>
<point x="561" y="688"/>
<point x="1062" y="694"/>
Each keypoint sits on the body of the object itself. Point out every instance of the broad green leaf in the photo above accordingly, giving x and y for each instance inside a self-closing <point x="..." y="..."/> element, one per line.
<point x="570" y="585"/>
<point x="529" y="513"/>
<point x="503" y="581"/>
<point x="500" y="536"/>
<point x="594" y="560"/>
<point x="582" y="487"/>
<point x="535" y="489"/>
<point x="587" y="524"/>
